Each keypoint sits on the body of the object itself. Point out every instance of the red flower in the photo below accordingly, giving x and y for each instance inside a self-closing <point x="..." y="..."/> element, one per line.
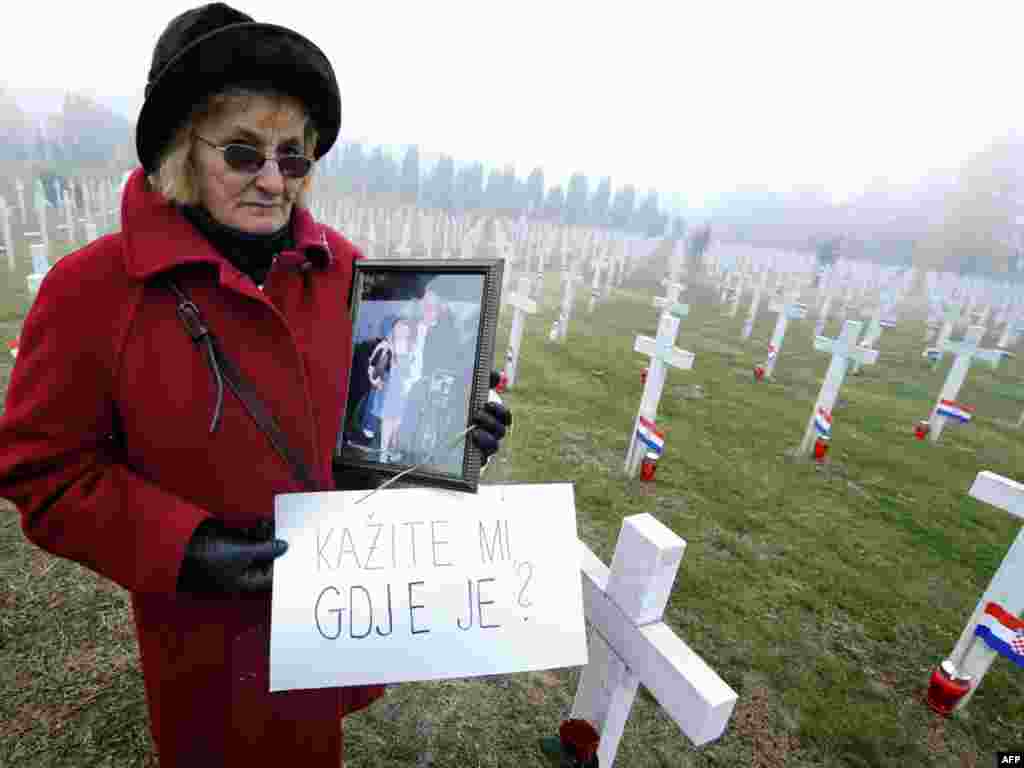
<point x="580" y="739"/>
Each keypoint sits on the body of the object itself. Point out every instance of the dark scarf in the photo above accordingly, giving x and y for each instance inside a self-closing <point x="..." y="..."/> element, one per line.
<point x="251" y="254"/>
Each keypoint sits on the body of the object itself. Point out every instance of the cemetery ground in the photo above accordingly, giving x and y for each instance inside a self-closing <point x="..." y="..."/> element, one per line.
<point x="824" y="594"/>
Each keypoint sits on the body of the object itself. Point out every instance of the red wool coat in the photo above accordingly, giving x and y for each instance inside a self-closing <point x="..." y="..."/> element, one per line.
<point x="103" y="353"/>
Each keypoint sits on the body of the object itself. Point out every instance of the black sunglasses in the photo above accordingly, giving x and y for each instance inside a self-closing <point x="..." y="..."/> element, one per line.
<point x="241" y="157"/>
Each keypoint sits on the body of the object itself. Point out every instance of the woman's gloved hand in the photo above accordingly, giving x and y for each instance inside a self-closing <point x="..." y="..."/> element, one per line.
<point x="220" y="559"/>
<point x="492" y="421"/>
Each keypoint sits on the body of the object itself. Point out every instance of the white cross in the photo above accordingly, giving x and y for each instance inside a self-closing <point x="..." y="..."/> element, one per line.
<point x="663" y="353"/>
<point x="5" y="233"/>
<point x="40" y="266"/>
<point x="790" y="310"/>
<point x="427" y="234"/>
<point x="874" y="331"/>
<point x="522" y="305"/>
<point x="965" y="351"/>
<point x="370" y="233"/>
<point x="1014" y="327"/>
<point x="19" y="187"/>
<point x="87" y="198"/>
<point x="404" y="248"/>
<point x="629" y="644"/>
<point x="40" y="206"/>
<point x="671" y="299"/>
<point x="595" y="289"/>
<point x="569" y="280"/>
<point x="843" y="349"/>
<point x="69" y="219"/>
<point x="755" y="303"/>
<point x="828" y="290"/>
<point x="448" y="237"/>
<point x="971" y="656"/>
<point x="951" y="317"/>
<point x="113" y="200"/>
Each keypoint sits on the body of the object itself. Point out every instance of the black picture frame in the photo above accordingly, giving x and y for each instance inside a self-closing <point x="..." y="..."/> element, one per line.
<point x="423" y="340"/>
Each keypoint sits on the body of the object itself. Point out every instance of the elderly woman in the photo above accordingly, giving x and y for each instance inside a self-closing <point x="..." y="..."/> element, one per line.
<point x="175" y="376"/>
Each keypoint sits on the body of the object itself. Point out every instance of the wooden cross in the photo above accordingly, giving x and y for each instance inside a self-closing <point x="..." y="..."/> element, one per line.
<point x="629" y="644"/>
<point x="789" y="310"/>
<point x="971" y="656"/>
<point x="965" y="351"/>
<point x="663" y="354"/>
<point x="843" y="350"/>
<point x="522" y="305"/>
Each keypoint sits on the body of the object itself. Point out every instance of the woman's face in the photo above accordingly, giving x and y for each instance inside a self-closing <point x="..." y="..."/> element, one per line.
<point x="258" y="203"/>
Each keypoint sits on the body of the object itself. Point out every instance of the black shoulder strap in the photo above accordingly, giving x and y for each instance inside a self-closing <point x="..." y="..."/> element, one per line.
<point x="225" y="370"/>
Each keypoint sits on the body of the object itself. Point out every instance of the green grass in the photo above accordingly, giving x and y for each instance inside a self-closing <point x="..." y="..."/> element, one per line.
<point x="824" y="594"/>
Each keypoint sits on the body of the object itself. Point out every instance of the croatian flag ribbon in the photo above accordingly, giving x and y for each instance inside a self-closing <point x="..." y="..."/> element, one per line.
<point x="13" y="347"/>
<point x="823" y="423"/>
<point x="1002" y="632"/>
<point x="954" y="410"/>
<point x="772" y="352"/>
<point x="649" y="435"/>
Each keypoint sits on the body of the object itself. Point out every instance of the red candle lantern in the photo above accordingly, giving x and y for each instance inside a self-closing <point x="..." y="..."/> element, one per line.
<point x="820" y="449"/>
<point x="648" y="467"/>
<point x="946" y="688"/>
<point x="643" y="376"/>
<point x="921" y="429"/>
<point x="758" y="372"/>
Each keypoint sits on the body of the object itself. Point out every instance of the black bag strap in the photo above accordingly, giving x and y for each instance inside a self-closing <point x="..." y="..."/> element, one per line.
<point x="224" y="370"/>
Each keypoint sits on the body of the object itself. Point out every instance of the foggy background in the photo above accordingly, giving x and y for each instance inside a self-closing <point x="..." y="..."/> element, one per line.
<point x="889" y="130"/>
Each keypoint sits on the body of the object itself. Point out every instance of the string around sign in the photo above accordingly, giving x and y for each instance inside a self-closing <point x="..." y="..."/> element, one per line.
<point x="451" y="444"/>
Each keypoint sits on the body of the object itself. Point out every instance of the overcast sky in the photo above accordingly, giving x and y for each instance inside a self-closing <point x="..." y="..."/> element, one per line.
<point x="691" y="98"/>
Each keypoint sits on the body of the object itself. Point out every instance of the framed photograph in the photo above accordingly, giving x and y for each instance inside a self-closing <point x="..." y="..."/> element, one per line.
<point x="422" y="350"/>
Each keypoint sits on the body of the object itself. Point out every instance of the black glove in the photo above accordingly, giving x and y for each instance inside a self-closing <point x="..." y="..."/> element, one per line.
<point x="219" y="559"/>
<point x="491" y="421"/>
<point x="495" y="378"/>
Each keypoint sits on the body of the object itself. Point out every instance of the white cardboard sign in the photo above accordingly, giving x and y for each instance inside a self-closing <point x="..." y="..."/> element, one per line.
<point x="425" y="584"/>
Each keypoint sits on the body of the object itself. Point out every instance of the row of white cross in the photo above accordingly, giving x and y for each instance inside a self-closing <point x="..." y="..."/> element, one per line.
<point x="622" y="655"/>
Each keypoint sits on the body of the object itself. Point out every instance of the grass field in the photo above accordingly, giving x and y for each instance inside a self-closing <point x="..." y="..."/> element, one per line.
<point x="824" y="594"/>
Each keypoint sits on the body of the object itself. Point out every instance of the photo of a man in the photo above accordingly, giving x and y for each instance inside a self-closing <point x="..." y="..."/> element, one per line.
<point x="415" y="349"/>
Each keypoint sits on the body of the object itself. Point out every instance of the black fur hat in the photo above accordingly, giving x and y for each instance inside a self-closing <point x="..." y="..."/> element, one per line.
<point x="214" y="46"/>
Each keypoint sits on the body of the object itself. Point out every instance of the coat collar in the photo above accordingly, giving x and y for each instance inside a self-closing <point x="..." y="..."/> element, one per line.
<point x="159" y="238"/>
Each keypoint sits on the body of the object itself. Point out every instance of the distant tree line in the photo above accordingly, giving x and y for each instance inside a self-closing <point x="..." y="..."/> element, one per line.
<point x="86" y="134"/>
<point x="83" y="133"/>
<point x="373" y="174"/>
